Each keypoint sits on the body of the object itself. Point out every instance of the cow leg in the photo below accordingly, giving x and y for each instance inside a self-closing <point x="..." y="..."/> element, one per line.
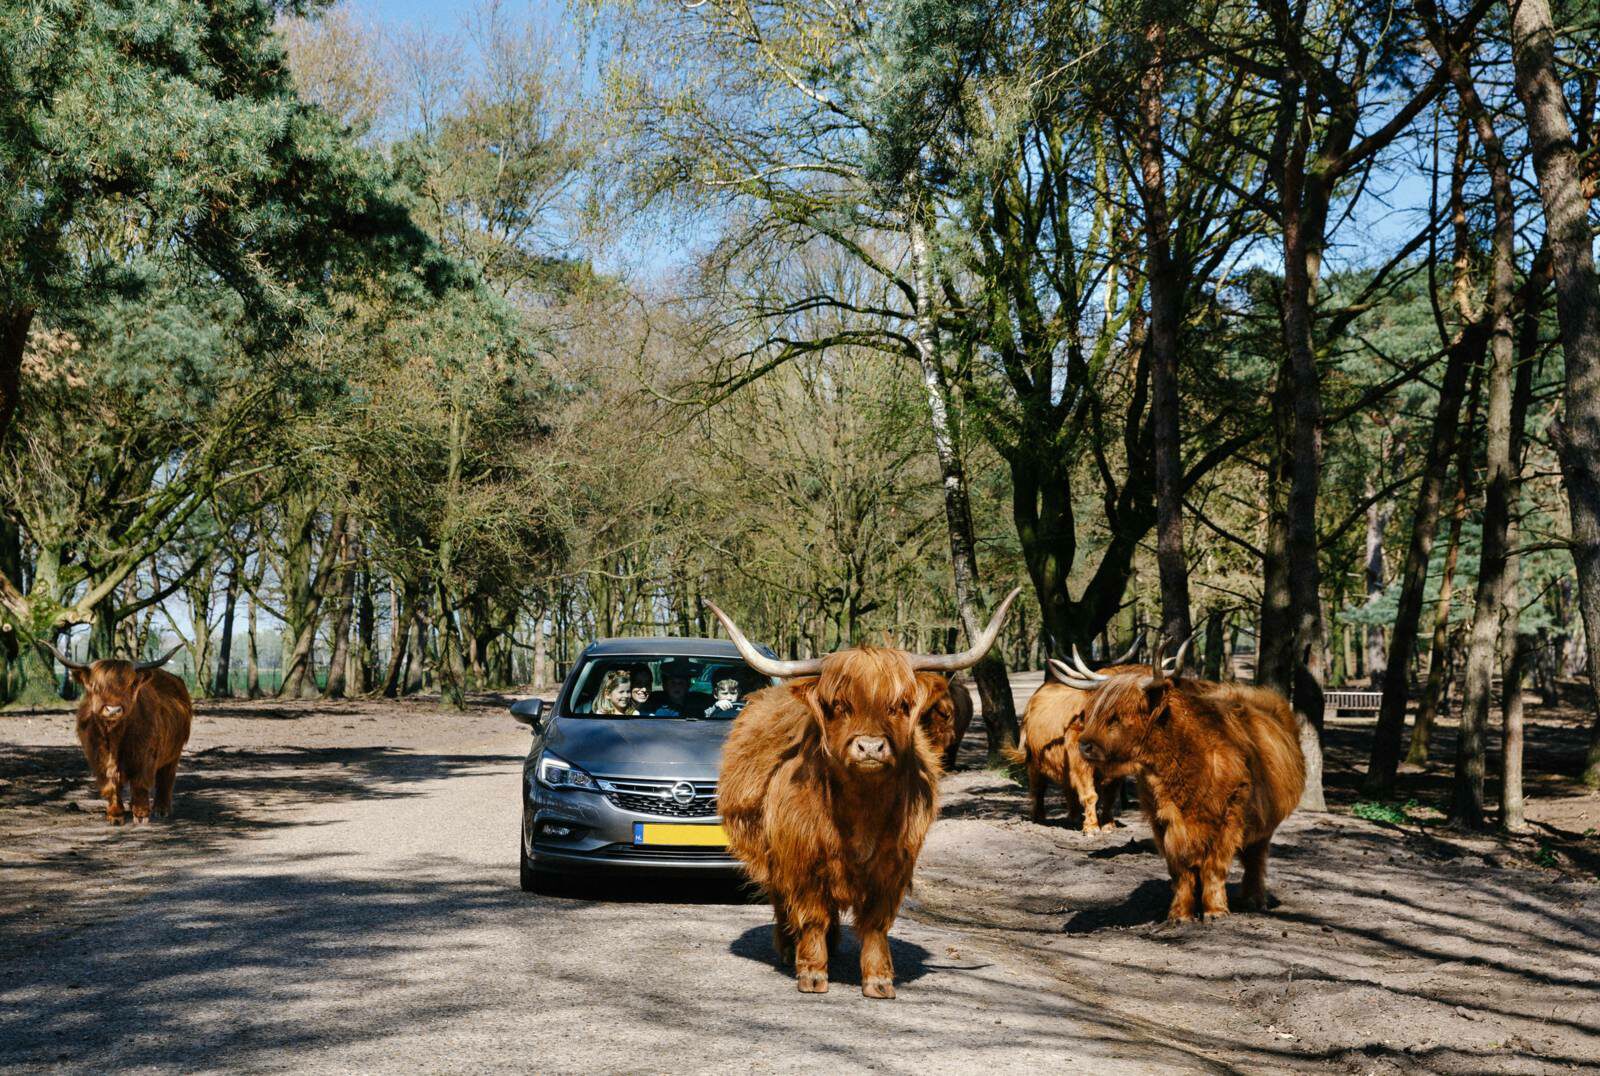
<point x="1185" y="881"/>
<point x="166" y="776"/>
<point x="139" y="787"/>
<point x="1255" y="875"/>
<point x="811" y="956"/>
<point x="1082" y="777"/>
<point x="1036" y="788"/>
<point x="1214" y="887"/>
<point x="783" y="933"/>
<point x="877" y="965"/>
<point x="111" y="789"/>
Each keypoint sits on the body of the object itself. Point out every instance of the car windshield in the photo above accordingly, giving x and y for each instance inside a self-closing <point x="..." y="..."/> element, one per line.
<point x="662" y="686"/>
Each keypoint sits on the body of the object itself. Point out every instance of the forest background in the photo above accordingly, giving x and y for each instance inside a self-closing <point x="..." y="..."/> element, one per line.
<point x="358" y="356"/>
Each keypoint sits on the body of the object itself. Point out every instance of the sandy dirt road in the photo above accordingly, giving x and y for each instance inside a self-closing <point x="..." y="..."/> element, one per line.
<point x="338" y="894"/>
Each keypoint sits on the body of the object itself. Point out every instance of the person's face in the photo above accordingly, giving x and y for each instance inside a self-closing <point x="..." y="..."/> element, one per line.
<point x="677" y="688"/>
<point x="619" y="694"/>
<point x="641" y="691"/>
<point x="727" y="694"/>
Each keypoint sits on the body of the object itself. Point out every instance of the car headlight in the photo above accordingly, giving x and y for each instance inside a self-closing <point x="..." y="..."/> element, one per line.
<point x="557" y="772"/>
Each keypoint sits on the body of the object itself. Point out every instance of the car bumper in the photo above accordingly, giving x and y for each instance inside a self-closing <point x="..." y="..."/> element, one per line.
<point x="601" y="839"/>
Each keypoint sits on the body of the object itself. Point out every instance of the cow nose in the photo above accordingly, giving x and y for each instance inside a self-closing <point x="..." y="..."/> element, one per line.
<point x="1089" y="751"/>
<point x="112" y="711"/>
<point x="870" y="749"/>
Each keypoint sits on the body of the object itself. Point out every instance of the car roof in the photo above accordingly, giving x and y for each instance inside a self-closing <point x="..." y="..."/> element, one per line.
<point x="659" y="646"/>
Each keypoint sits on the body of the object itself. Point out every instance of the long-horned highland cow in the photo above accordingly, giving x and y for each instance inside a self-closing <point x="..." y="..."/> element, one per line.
<point x="1218" y="768"/>
<point x="133" y="721"/>
<point x="829" y="784"/>
<point x="1048" y="745"/>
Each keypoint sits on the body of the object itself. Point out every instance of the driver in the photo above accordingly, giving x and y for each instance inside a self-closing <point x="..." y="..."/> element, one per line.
<point x="675" y="699"/>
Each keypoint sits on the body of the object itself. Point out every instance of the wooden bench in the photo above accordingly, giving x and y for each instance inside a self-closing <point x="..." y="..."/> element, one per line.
<point x="1366" y="701"/>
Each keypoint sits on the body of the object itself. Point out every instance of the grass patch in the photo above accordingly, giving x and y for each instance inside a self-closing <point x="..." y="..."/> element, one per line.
<point x="1396" y="814"/>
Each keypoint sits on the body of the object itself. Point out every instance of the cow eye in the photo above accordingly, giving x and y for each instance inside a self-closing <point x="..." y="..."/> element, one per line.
<point x="1114" y="720"/>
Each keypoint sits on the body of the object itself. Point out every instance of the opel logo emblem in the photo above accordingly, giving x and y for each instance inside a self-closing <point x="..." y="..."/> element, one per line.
<point x="683" y="793"/>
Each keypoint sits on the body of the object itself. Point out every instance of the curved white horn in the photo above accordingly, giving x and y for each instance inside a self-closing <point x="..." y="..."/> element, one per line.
<point x="973" y="654"/>
<point x="1083" y="668"/>
<point x="756" y="659"/>
<point x="160" y="661"/>
<point x="1067" y="675"/>
<point x="1177" y="659"/>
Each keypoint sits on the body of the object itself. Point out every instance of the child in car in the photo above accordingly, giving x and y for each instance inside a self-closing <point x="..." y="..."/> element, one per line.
<point x="728" y="703"/>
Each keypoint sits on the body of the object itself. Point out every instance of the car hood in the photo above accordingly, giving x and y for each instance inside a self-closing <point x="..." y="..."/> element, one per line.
<point x="640" y="746"/>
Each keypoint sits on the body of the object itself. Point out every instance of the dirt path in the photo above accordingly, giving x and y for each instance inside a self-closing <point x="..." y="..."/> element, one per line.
<point x="338" y="894"/>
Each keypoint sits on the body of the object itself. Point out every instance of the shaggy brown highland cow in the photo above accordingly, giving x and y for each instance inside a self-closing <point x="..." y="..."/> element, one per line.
<point x="133" y="721"/>
<point x="1218" y="768"/>
<point x="828" y="786"/>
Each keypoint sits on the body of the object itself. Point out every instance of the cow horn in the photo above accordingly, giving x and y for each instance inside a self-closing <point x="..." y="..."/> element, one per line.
<point x="973" y="654"/>
<point x="1158" y="662"/>
<point x="50" y="651"/>
<point x="1083" y="670"/>
<point x="1133" y="648"/>
<point x="1071" y="678"/>
<point x="160" y="661"/>
<point x="1177" y="659"/>
<point x="756" y="659"/>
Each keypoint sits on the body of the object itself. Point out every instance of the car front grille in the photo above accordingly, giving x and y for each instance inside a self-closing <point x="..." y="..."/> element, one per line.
<point x="656" y="852"/>
<point x="655" y="797"/>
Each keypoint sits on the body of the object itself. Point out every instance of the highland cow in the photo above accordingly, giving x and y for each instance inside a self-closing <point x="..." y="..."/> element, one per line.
<point x="133" y="722"/>
<point x="1218" y="768"/>
<point x="829" y="783"/>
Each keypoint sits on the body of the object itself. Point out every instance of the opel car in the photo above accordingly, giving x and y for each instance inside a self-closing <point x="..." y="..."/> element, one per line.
<point x="622" y="772"/>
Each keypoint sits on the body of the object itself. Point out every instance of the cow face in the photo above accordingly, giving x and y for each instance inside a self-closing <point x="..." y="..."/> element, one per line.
<point x="1119" y="721"/>
<point x="109" y="688"/>
<point x="867" y="703"/>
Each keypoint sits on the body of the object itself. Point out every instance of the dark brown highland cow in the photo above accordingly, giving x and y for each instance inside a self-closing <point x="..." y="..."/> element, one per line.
<point x="829" y="784"/>
<point x="1218" y="767"/>
<point x="133" y="721"/>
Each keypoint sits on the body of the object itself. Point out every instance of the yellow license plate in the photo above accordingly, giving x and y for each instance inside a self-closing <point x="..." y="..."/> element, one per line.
<point x="679" y="834"/>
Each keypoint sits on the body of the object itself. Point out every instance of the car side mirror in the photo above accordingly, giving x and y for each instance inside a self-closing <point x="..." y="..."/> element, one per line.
<point x="529" y="712"/>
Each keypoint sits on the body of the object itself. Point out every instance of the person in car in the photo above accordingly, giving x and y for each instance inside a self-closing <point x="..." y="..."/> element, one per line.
<point x="616" y="695"/>
<point x="641" y="679"/>
<point x="727" y="703"/>
<point x="675" y="699"/>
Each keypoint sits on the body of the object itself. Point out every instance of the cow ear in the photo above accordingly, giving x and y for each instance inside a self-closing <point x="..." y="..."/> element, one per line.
<point x="804" y="691"/>
<point x="1155" y="698"/>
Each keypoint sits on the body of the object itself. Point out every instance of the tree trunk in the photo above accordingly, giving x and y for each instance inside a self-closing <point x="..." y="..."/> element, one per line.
<point x="223" y="687"/>
<point x="1439" y="651"/>
<point x="1467" y="790"/>
<point x="366" y="625"/>
<point x="14" y="325"/>
<point x="1566" y="218"/>
<point x="299" y="669"/>
<point x="344" y="612"/>
<point x="1463" y="357"/>
<point x="1215" y="632"/>
<point x="1166" y="302"/>
<point x="994" y="689"/>
<point x="1513" y="661"/>
<point x="252" y="675"/>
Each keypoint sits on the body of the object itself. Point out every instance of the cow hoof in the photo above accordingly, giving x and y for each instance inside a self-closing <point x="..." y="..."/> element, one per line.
<point x="812" y="982"/>
<point x="113" y="820"/>
<point x="1090" y="829"/>
<point x="878" y="988"/>
<point x="1212" y="917"/>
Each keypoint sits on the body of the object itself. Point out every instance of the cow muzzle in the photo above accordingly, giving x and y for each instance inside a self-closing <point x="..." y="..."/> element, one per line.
<point x="1091" y="752"/>
<point x="870" y="752"/>
<point x="111" y="713"/>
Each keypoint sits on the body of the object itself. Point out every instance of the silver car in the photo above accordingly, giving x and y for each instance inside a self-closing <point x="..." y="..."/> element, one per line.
<point x="622" y="772"/>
